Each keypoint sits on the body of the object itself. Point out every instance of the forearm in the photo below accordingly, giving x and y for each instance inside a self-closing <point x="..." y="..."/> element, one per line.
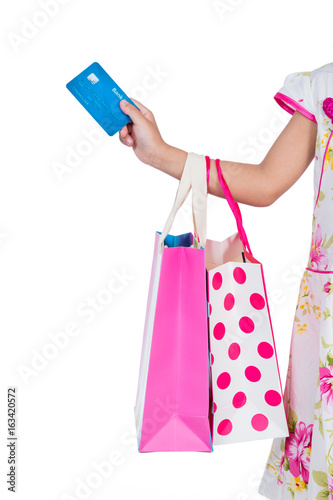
<point x="245" y="180"/>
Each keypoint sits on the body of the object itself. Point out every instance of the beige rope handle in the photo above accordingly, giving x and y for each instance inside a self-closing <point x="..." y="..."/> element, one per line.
<point x="194" y="174"/>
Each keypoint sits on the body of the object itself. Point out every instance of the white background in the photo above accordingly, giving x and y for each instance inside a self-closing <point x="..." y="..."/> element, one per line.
<point x="209" y="72"/>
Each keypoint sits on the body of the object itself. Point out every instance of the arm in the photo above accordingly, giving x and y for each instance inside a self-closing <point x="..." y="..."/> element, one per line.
<point x="252" y="184"/>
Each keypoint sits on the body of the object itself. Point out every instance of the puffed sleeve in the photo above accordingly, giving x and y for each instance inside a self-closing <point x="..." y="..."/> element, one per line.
<point x="296" y="93"/>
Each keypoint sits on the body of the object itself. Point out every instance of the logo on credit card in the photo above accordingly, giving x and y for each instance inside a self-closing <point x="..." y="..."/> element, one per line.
<point x="117" y="93"/>
<point x="93" y="78"/>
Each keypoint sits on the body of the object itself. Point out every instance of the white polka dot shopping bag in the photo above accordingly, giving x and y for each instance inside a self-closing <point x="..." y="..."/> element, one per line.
<point x="245" y="381"/>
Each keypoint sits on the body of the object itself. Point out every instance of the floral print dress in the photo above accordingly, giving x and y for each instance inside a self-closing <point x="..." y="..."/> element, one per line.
<point x="300" y="466"/>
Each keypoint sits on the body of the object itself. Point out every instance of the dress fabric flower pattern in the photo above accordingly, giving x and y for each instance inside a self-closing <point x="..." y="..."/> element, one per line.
<point x="326" y="388"/>
<point x="298" y="451"/>
<point x="318" y="254"/>
<point x="300" y="465"/>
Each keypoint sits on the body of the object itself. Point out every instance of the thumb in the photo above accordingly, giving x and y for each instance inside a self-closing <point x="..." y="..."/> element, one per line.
<point x="130" y="110"/>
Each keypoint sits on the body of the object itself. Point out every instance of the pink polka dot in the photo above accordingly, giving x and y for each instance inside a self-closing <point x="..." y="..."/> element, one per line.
<point x="265" y="350"/>
<point x="223" y="380"/>
<point x="210" y="309"/>
<point x="252" y="373"/>
<point x="229" y="301"/>
<point x="239" y="400"/>
<point x="246" y="324"/>
<point x="257" y="301"/>
<point x="225" y="427"/>
<point x="217" y="281"/>
<point x="273" y="398"/>
<point x="215" y="407"/>
<point x="239" y="275"/>
<point x="219" y="331"/>
<point x="234" y="350"/>
<point x="259" y="422"/>
<point x="211" y="358"/>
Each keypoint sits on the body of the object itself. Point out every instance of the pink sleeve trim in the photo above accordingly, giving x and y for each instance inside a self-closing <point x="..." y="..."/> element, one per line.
<point x="291" y="105"/>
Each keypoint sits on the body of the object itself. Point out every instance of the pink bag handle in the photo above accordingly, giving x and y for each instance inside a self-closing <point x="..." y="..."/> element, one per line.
<point x="232" y="203"/>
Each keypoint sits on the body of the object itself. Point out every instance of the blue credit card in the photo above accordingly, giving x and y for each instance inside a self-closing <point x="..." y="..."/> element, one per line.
<point x="100" y="96"/>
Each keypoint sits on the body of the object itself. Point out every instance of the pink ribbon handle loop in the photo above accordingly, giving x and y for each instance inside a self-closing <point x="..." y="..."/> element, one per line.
<point x="232" y="203"/>
<point x="208" y="170"/>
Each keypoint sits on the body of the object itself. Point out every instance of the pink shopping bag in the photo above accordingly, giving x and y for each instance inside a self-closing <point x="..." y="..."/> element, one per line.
<point x="172" y="408"/>
<point x="246" y="386"/>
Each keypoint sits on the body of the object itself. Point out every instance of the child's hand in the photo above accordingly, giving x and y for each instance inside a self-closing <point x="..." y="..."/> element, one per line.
<point x="141" y="133"/>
